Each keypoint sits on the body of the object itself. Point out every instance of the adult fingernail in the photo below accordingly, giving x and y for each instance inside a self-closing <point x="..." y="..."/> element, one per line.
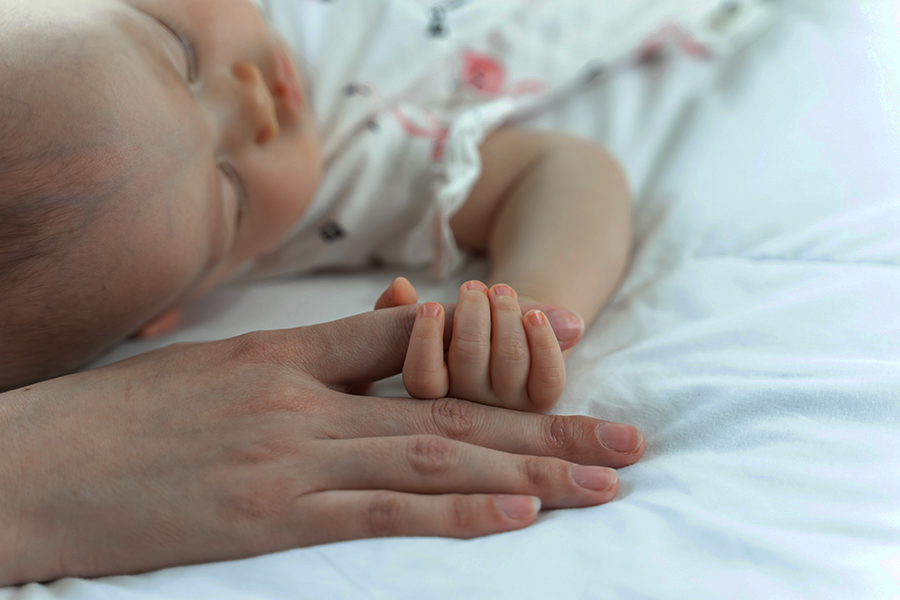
<point x="518" y="507"/>
<point x="476" y="285"/>
<point x="567" y="325"/>
<point x="430" y="310"/>
<point x="598" y="479"/>
<point x="620" y="438"/>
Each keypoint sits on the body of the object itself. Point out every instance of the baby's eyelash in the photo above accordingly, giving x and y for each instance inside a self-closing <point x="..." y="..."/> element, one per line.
<point x="188" y="50"/>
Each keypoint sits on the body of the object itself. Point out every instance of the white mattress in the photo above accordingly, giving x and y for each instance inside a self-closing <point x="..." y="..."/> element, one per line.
<point x="756" y="342"/>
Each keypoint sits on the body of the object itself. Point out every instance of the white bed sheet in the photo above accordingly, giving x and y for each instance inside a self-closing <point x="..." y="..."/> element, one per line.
<point x="756" y="341"/>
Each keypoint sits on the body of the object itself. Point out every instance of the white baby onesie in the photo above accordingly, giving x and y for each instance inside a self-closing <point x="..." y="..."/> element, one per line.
<point x="405" y="91"/>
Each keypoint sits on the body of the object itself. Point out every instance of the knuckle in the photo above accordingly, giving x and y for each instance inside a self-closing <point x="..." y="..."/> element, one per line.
<point x="278" y="395"/>
<point x="453" y="418"/>
<point x="265" y="450"/>
<point x="384" y="514"/>
<point x="463" y="514"/>
<point x="545" y="344"/>
<point x="535" y="472"/>
<point x="513" y="350"/>
<point x="560" y="434"/>
<point x="508" y="305"/>
<point x="546" y="387"/>
<point x="258" y="502"/>
<point x="554" y="377"/>
<point x="430" y="455"/>
<point x="471" y="342"/>
<point x="276" y="351"/>
<point x="256" y="348"/>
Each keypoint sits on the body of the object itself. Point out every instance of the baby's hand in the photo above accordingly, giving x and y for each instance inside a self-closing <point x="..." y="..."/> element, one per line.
<point x="496" y="355"/>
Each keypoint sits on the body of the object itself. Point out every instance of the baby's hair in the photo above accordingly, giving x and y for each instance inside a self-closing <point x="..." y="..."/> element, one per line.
<point x="27" y="205"/>
<point x="46" y="203"/>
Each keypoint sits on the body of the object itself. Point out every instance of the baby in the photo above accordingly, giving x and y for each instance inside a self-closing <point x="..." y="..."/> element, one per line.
<point x="151" y="149"/>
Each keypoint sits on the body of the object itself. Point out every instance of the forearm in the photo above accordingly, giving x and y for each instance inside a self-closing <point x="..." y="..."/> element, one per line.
<point x="560" y="233"/>
<point x="12" y="473"/>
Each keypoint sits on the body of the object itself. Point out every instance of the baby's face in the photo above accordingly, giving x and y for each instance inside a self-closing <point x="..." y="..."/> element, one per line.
<point x="227" y="100"/>
<point x="202" y="114"/>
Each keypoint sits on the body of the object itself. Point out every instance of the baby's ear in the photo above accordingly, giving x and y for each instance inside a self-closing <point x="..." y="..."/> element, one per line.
<point x="161" y="325"/>
<point x="400" y="293"/>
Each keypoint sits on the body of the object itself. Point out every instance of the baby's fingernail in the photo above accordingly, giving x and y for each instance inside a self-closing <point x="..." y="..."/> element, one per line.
<point x="476" y="285"/>
<point x="620" y="438"/>
<point x="502" y="290"/>
<point x="430" y="310"/>
<point x="567" y="325"/>
<point x="598" y="479"/>
<point x="536" y="318"/>
<point x="518" y="507"/>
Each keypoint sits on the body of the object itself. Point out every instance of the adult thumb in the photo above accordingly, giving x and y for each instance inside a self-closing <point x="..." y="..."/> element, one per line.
<point x="372" y="346"/>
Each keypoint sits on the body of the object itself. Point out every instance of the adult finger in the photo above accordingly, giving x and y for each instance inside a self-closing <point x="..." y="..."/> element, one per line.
<point x="400" y="293"/>
<point x="366" y="347"/>
<point x="333" y="516"/>
<point x="578" y="439"/>
<point x="431" y="464"/>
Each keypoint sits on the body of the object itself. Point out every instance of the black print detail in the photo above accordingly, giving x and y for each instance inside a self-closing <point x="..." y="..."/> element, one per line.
<point x="438" y="25"/>
<point x="352" y="89"/>
<point x="374" y="127"/>
<point x="332" y="231"/>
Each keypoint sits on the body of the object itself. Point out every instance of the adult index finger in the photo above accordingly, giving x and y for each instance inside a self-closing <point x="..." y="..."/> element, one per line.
<point x="373" y="345"/>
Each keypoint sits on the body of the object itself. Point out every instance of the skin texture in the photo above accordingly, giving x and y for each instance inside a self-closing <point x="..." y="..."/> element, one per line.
<point x="237" y="448"/>
<point x="222" y="450"/>
<point x="208" y="153"/>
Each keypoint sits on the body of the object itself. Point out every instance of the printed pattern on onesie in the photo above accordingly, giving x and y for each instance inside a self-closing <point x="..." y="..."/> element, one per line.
<point x="405" y="91"/>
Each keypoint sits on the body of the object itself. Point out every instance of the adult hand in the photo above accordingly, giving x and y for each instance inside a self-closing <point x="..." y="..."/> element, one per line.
<point x="223" y="450"/>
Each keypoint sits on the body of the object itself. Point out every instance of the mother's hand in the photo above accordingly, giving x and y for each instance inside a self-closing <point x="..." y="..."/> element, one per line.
<point x="222" y="450"/>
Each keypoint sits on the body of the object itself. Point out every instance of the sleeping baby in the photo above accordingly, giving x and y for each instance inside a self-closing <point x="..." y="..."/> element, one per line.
<point x="151" y="150"/>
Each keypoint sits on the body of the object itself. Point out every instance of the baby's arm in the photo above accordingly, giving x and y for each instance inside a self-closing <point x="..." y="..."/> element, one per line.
<point x="553" y="214"/>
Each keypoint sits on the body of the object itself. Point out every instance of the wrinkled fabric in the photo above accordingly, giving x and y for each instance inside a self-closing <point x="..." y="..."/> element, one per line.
<point x="754" y="340"/>
<point x="406" y="91"/>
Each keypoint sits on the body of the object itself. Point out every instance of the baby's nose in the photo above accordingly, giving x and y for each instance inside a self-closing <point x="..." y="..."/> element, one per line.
<point x="257" y="106"/>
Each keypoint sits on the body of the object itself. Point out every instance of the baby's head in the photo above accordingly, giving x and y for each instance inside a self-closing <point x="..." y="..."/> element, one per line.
<point x="147" y="148"/>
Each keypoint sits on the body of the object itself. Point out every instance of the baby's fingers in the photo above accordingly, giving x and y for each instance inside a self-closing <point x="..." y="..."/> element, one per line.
<point x="424" y="371"/>
<point x="335" y="516"/>
<point x="469" y="357"/>
<point x="547" y="378"/>
<point x="510" y="355"/>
